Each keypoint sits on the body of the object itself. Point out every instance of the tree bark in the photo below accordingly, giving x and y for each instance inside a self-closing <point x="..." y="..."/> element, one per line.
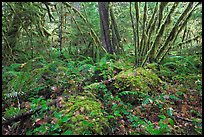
<point x="115" y="34"/>
<point x="174" y="30"/>
<point x="104" y="24"/>
<point x="134" y="36"/>
<point x="137" y="27"/>
<point x="151" y="53"/>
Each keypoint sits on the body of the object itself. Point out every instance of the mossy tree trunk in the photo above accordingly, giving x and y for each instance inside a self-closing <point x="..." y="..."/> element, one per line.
<point x="96" y="40"/>
<point x="175" y="30"/>
<point x="151" y="28"/>
<point x="134" y="35"/>
<point x="115" y="33"/>
<point x="156" y="32"/>
<point x="61" y="28"/>
<point x="137" y="29"/>
<point x="151" y="52"/>
<point x="144" y="35"/>
<point x="182" y="25"/>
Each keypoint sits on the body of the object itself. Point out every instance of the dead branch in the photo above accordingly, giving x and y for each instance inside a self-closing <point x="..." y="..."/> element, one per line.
<point x="26" y="114"/>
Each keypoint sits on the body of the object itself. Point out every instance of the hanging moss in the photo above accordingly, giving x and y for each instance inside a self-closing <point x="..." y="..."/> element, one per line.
<point x="86" y="117"/>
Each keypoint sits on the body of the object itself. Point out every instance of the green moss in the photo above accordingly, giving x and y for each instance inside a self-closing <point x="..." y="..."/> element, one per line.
<point x="153" y="66"/>
<point x="85" y="115"/>
<point x="93" y="88"/>
<point x="123" y="64"/>
<point x="96" y="89"/>
<point x="143" y="80"/>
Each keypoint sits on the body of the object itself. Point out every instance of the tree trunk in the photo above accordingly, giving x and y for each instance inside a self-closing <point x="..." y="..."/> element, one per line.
<point x="60" y="28"/>
<point x="151" y="53"/>
<point x="115" y="34"/>
<point x="134" y="35"/>
<point x="174" y="30"/>
<point x="137" y="29"/>
<point x="104" y="23"/>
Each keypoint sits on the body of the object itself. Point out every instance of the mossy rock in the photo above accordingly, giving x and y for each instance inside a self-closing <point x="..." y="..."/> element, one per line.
<point x="142" y="81"/>
<point x="86" y="116"/>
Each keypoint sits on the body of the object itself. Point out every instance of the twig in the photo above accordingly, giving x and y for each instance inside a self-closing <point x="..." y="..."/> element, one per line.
<point x="184" y="119"/>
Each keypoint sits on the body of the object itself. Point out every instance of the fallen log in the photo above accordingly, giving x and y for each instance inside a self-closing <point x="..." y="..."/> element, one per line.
<point x="27" y="114"/>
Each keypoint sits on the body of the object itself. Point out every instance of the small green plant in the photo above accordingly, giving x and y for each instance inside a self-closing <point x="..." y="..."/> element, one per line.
<point x="11" y="111"/>
<point x="105" y="67"/>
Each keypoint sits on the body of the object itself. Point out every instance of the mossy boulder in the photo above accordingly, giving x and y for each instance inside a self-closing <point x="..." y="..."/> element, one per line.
<point x="86" y="115"/>
<point x="142" y="80"/>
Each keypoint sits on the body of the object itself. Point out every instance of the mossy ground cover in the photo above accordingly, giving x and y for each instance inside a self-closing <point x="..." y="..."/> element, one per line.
<point x="152" y="100"/>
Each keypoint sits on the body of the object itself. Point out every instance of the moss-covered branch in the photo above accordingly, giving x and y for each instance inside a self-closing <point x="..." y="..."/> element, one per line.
<point x="174" y="30"/>
<point x="137" y="28"/>
<point x="143" y="39"/>
<point x="151" y="52"/>
<point x="134" y="35"/>
<point x="161" y="9"/>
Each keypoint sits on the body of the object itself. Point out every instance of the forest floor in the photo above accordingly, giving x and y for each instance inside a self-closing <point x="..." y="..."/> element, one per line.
<point x="110" y="97"/>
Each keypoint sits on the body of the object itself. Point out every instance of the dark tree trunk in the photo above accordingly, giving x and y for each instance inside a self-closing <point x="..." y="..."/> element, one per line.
<point x="60" y="29"/>
<point x="104" y="23"/>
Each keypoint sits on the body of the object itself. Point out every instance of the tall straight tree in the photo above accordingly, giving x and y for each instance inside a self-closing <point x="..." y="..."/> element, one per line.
<point x="104" y="23"/>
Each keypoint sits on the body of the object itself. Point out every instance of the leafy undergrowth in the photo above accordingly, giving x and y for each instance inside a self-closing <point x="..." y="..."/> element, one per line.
<point x="105" y="98"/>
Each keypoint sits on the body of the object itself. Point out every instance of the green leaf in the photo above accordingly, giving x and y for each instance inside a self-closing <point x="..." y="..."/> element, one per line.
<point x="42" y="128"/>
<point x="85" y="122"/>
<point x="114" y="106"/>
<point x="43" y="102"/>
<point x="68" y="132"/>
<point x="117" y="113"/>
<point x="92" y="113"/>
<point x="44" y="107"/>
<point x="65" y="119"/>
<point x="170" y="112"/>
<point x="29" y="132"/>
<point x="125" y="111"/>
<point x="56" y="126"/>
<point x="173" y="97"/>
<point x="197" y="120"/>
<point x="152" y="131"/>
<point x="57" y="115"/>
<point x="146" y="100"/>
<point x="110" y="116"/>
<point x="171" y="121"/>
<point x="162" y="116"/>
<point x="36" y="101"/>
